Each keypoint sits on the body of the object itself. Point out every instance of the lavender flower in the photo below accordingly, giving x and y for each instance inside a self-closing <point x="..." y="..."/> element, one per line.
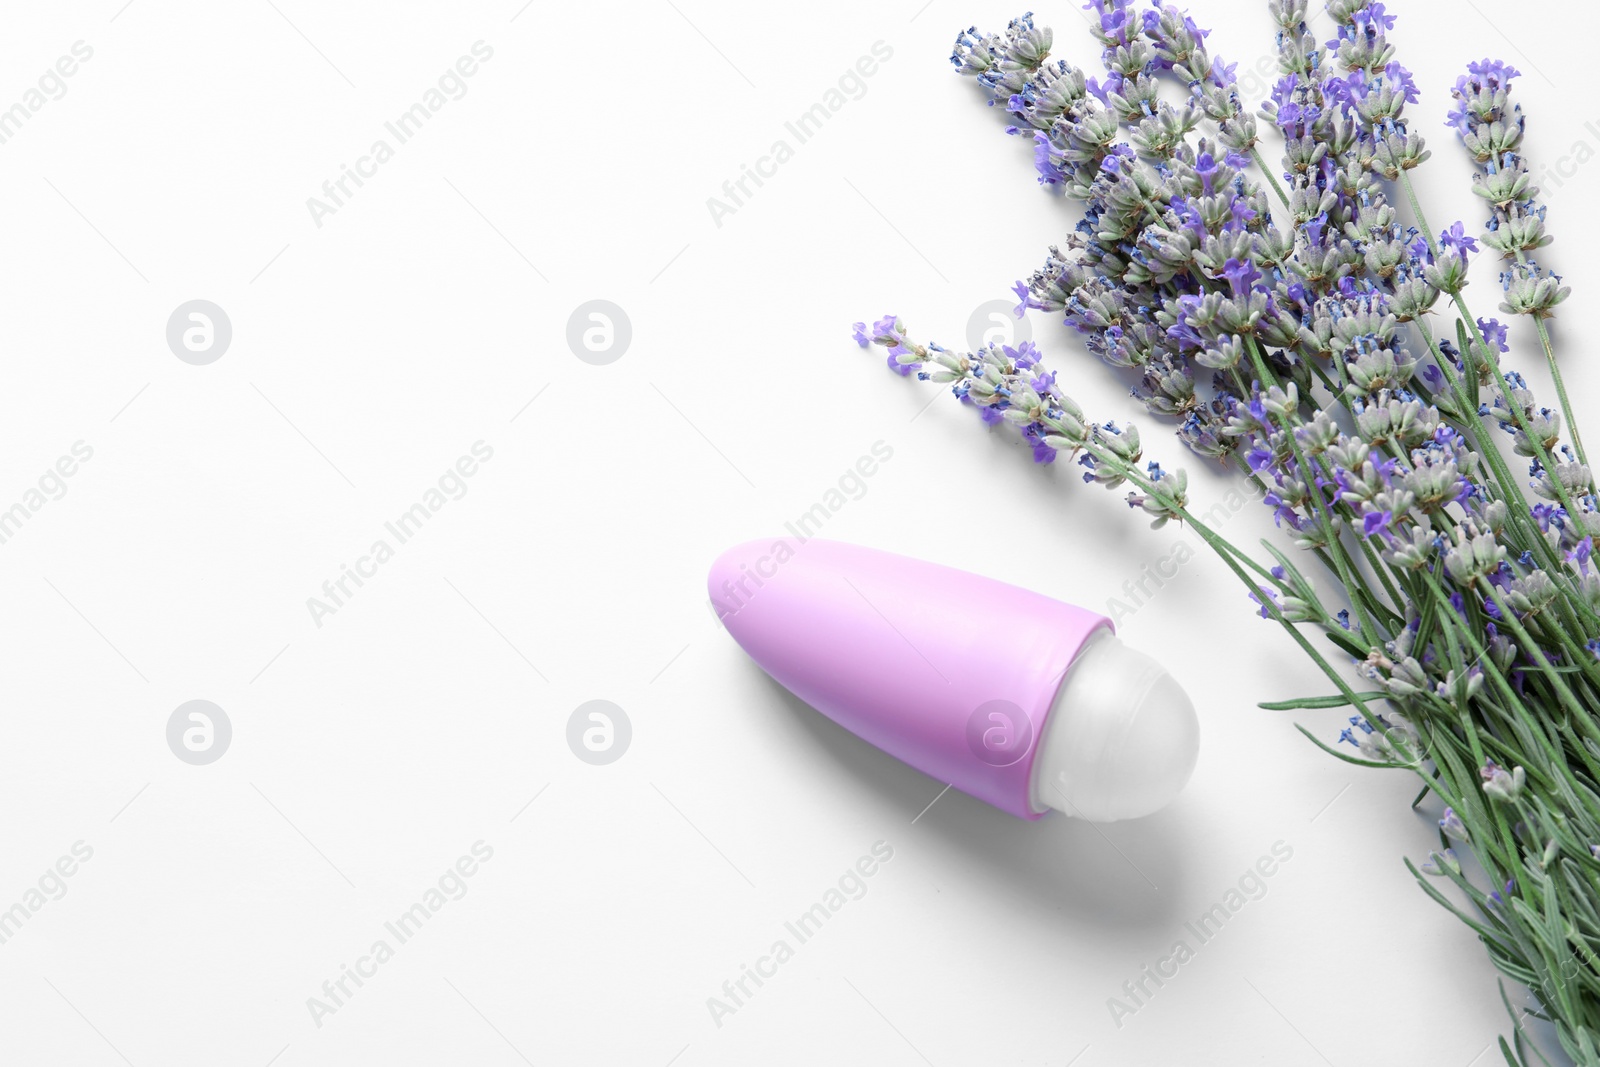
<point x="1293" y="329"/>
<point x="1491" y="128"/>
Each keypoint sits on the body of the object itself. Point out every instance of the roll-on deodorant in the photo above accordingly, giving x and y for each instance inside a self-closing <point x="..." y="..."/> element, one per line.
<point x="1015" y="698"/>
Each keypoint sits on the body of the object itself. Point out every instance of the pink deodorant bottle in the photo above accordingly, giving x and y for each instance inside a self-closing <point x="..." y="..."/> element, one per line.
<point x="1017" y="699"/>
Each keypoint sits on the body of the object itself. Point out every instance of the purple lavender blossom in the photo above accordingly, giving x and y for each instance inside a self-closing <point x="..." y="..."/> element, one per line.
<point x="1045" y="161"/>
<point x="1495" y="333"/>
<point x="1401" y="81"/>
<point x="1455" y="239"/>
<point x="1376" y="522"/>
<point x="1261" y="605"/>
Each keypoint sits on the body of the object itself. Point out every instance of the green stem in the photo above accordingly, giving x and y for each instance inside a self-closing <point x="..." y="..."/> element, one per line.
<point x="1255" y="154"/>
<point x="1380" y="569"/>
<point x="1561" y="388"/>
<point x="1270" y="606"/>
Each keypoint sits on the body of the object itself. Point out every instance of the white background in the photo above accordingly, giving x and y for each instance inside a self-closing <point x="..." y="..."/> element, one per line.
<point x="370" y="753"/>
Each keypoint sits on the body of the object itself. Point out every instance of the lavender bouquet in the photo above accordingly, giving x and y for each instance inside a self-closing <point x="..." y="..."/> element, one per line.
<point x="1307" y="337"/>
